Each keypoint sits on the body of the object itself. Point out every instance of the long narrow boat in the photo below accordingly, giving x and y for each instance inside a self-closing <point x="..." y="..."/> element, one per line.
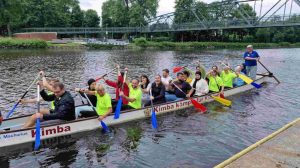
<point x="14" y="135"/>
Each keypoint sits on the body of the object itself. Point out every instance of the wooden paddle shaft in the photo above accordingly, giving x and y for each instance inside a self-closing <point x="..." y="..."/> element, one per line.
<point x="270" y="73"/>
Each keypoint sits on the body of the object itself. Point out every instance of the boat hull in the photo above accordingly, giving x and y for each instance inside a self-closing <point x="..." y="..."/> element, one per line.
<point x="15" y="137"/>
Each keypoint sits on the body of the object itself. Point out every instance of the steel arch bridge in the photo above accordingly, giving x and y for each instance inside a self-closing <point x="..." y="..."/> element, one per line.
<point x="165" y="23"/>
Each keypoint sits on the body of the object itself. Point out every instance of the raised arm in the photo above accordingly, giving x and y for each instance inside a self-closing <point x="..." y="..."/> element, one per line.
<point x="47" y="97"/>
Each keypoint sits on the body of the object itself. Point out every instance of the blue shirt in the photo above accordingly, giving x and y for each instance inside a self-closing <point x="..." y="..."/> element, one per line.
<point x="254" y="54"/>
<point x="238" y="81"/>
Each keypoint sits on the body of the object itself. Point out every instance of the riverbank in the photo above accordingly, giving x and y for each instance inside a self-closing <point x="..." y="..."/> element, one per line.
<point x="143" y="43"/>
<point x="139" y="43"/>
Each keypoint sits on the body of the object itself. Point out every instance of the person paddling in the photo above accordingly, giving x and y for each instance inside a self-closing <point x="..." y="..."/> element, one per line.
<point x="64" y="106"/>
<point x="91" y="87"/>
<point x="158" y="92"/>
<point x="119" y="86"/>
<point x="215" y="82"/>
<point x="135" y="96"/>
<point x="183" y="90"/>
<point x="238" y="81"/>
<point x="49" y="83"/>
<point x="103" y="106"/>
<point x="228" y="77"/>
<point x="199" y="85"/>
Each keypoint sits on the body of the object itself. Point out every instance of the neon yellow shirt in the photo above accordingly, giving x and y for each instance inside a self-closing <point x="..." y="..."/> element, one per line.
<point x="189" y="80"/>
<point x="215" y="83"/>
<point x="228" y="78"/>
<point x="51" y="105"/>
<point x="137" y="95"/>
<point x="103" y="103"/>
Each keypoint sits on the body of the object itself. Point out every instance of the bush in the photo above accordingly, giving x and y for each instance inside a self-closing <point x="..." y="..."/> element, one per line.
<point x="161" y="39"/>
<point x="22" y="43"/>
<point x="142" y="42"/>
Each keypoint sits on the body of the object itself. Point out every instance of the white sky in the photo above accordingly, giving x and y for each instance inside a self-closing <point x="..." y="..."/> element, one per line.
<point x="166" y="6"/>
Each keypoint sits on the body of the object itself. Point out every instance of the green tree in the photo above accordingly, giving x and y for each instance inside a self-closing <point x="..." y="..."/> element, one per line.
<point x="50" y="13"/>
<point x="114" y="14"/>
<point x="11" y="14"/>
<point x="263" y="35"/>
<point x="141" y="10"/>
<point x="183" y="13"/>
<point x="91" y="18"/>
<point x="77" y="17"/>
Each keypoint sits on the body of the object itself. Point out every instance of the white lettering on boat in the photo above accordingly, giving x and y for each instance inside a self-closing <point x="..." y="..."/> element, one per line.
<point x="51" y="131"/>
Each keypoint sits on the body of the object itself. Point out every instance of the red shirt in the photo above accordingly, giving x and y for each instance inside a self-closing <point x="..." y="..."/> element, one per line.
<point x="115" y="85"/>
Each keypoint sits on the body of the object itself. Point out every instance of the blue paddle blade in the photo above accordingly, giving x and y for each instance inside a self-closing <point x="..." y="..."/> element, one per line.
<point x="37" y="135"/>
<point x="256" y="85"/>
<point x="104" y="127"/>
<point x="12" y="110"/>
<point x="118" y="108"/>
<point x="153" y="120"/>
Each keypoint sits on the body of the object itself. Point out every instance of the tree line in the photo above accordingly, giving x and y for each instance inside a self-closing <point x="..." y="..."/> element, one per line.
<point x="16" y="14"/>
<point x="44" y="13"/>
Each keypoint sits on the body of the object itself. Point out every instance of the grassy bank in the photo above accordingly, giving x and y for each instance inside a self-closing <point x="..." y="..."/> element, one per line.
<point x="104" y="46"/>
<point x="139" y="43"/>
<point x="22" y="43"/>
<point x="143" y="43"/>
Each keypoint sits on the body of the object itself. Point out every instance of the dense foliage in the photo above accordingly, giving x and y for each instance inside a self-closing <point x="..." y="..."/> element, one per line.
<point x="15" y="14"/>
<point x="44" y="13"/>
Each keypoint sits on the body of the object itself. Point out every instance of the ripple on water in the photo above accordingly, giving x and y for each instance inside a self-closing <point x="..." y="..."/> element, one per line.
<point x="185" y="138"/>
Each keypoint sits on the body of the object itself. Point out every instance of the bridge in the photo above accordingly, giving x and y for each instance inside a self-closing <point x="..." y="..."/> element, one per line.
<point x="165" y="23"/>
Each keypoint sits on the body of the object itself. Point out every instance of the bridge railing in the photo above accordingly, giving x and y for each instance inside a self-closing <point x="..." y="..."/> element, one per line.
<point x="223" y="23"/>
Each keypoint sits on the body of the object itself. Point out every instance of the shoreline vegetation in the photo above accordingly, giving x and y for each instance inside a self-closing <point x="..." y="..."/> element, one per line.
<point x="139" y="43"/>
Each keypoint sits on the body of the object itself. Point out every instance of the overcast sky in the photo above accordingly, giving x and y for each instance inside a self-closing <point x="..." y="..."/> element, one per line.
<point x="166" y="6"/>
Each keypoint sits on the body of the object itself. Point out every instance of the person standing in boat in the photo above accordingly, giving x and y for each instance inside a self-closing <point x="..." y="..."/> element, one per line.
<point x="158" y="92"/>
<point x="199" y="85"/>
<point x="251" y="57"/>
<point x="80" y="109"/>
<point x="215" y="82"/>
<point x="63" y="102"/>
<point x="103" y="105"/>
<point x="118" y="86"/>
<point x="228" y="77"/>
<point x="135" y="96"/>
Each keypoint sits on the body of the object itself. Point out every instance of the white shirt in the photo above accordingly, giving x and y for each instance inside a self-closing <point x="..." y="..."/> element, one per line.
<point x="165" y="81"/>
<point x="201" y="87"/>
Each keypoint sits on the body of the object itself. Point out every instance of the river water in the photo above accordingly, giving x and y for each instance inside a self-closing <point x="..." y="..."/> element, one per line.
<point x="184" y="139"/>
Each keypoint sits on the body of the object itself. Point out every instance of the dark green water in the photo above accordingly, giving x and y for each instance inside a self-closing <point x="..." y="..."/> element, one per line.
<point x="185" y="138"/>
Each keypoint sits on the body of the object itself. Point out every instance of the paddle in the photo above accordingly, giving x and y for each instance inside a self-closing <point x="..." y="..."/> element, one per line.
<point x="196" y="104"/>
<point x="270" y="73"/>
<point x="97" y="79"/>
<point x="37" y="126"/>
<point x="153" y="115"/>
<point x="246" y="79"/>
<point x="119" y="105"/>
<point x="1" y="118"/>
<point x="222" y="100"/>
<point x="15" y="106"/>
<point x="104" y="126"/>
<point x="177" y="69"/>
